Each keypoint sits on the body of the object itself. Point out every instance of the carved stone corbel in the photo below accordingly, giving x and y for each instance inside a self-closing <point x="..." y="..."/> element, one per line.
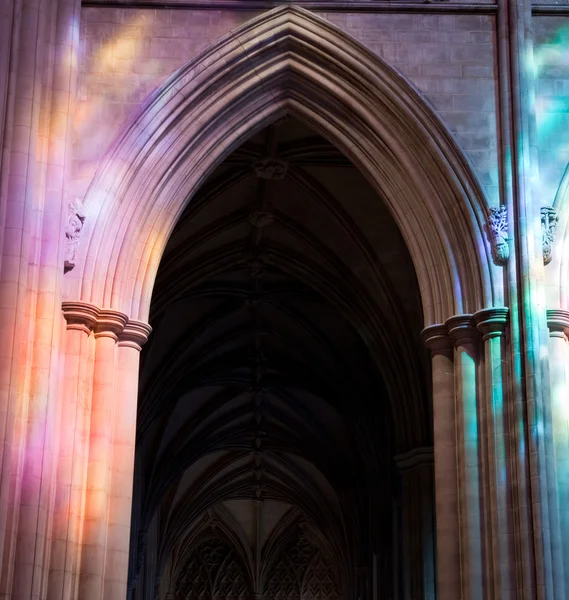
<point x="498" y="234"/>
<point x="75" y="221"/>
<point x="549" y="220"/>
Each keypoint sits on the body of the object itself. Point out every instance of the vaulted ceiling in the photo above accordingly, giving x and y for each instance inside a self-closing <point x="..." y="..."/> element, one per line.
<point x="285" y="368"/>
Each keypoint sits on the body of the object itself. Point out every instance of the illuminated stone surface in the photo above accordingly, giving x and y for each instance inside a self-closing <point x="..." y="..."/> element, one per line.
<point x="348" y="391"/>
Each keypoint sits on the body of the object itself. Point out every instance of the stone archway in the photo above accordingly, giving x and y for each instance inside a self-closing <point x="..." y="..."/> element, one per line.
<point x="286" y="61"/>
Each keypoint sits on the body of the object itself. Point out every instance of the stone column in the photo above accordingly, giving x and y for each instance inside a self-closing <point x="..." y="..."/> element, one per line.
<point x="37" y="73"/>
<point x="417" y="496"/>
<point x="130" y="343"/>
<point x="462" y="330"/>
<point x="446" y="484"/>
<point x="73" y="450"/>
<point x="558" y="323"/>
<point x="18" y="232"/>
<point x="495" y="420"/>
<point x="109" y="326"/>
<point x="540" y="570"/>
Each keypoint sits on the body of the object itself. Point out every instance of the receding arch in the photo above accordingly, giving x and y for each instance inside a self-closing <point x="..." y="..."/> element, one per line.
<point x="286" y="60"/>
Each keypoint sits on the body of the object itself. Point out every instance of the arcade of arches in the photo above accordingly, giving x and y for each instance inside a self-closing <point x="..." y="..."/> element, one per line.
<point x="283" y="300"/>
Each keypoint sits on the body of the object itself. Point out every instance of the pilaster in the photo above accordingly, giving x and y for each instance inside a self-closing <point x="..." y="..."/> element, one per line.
<point x="73" y="455"/>
<point x="462" y="330"/>
<point x="447" y="518"/>
<point x="130" y="341"/>
<point x="539" y="570"/>
<point x="96" y="460"/>
<point x="558" y="324"/>
<point x="497" y="475"/>
<point x="475" y="474"/>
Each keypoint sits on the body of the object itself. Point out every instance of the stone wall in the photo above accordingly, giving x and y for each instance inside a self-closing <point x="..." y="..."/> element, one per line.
<point x="450" y="59"/>
<point x="125" y="55"/>
<point x="128" y="53"/>
<point x="551" y="58"/>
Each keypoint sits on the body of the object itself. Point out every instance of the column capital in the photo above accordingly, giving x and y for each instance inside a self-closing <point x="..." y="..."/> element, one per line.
<point x="558" y="322"/>
<point x="135" y="334"/>
<point x="436" y="339"/>
<point x="80" y="316"/>
<point x="412" y="459"/>
<point x="110" y="323"/>
<point x="105" y="322"/>
<point x="462" y="329"/>
<point x="491" y="322"/>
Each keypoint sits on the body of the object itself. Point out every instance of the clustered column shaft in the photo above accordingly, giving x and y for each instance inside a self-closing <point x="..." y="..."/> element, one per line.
<point x="71" y="476"/>
<point x="471" y="465"/>
<point x="558" y="323"/>
<point x="90" y="553"/>
<point x="446" y="484"/>
<point x="495" y="416"/>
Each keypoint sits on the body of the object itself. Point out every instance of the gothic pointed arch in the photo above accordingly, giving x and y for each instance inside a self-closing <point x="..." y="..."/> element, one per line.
<point x="285" y="61"/>
<point x="212" y="570"/>
<point x="320" y="582"/>
<point x="301" y="569"/>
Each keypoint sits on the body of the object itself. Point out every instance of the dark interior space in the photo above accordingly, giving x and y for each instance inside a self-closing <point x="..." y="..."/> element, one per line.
<point x="284" y="375"/>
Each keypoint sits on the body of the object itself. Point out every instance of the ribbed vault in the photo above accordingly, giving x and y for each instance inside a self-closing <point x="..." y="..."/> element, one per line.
<point x="284" y="372"/>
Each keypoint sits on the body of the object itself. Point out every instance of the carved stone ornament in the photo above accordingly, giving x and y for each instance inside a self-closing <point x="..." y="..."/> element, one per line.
<point x="214" y="571"/>
<point x="270" y="168"/>
<point x="302" y="571"/>
<point x="75" y="221"/>
<point x="498" y="234"/>
<point x="549" y="220"/>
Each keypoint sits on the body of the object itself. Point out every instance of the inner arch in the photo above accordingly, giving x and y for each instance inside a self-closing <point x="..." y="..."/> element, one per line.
<point x="284" y="373"/>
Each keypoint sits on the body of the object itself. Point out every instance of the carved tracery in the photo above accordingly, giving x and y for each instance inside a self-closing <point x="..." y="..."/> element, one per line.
<point x="230" y="581"/>
<point x="302" y="573"/>
<point x="213" y="572"/>
<point x="319" y="581"/>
